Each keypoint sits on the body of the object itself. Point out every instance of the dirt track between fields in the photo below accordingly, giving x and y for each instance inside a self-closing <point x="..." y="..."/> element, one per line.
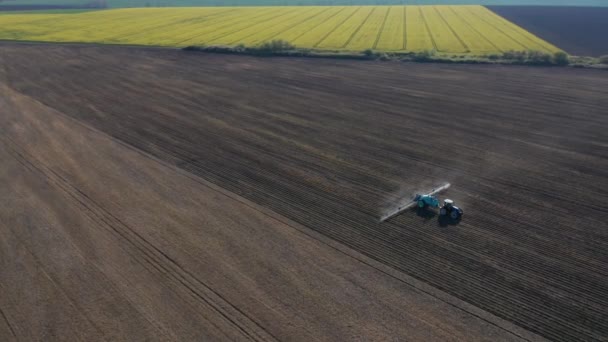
<point x="105" y="231"/>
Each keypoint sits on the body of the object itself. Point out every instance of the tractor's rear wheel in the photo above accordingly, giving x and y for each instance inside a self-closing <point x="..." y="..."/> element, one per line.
<point x="421" y="204"/>
<point x="442" y="212"/>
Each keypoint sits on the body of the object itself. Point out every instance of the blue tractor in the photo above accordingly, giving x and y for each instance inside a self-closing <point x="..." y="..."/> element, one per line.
<point x="428" y="200"/>
<point x="448" y="208"/>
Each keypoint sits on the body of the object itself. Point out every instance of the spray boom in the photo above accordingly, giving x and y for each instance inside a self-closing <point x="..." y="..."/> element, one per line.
<point x="415" y="200"/>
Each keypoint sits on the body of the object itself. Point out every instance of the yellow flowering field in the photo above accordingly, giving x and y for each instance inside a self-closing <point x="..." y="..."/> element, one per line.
<point x="443" y="28"/>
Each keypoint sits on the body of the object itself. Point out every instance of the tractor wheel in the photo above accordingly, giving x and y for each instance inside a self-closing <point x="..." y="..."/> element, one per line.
<point x="442" y="212"/>
<point x="454" y="214"/>
<point x="421" y="204"/>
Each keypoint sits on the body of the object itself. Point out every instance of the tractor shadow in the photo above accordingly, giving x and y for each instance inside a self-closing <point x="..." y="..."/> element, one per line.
<point x="429" y="214"/>
<point x="424" y="213"/>
<point x="445" y="221"/>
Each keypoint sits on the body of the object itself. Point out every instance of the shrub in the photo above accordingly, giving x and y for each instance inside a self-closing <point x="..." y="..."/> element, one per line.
<point x="493" y="57"/>
<point x="561" y="58"/>
<point x="539" y="58"/>
<point x="536" y="57"/>
<point x="276" y="46"/>
<point x="368" y="53"/>
<point x="240" y="48"/>
<point x="511" y="55"/>
<point x="423" y="56"/>
<point x="604" y="59"/>
<point x="384" y="56"/>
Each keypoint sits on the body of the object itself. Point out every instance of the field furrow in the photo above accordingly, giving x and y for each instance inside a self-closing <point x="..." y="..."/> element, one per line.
<point x="338" y="38"/>
<point x="294" y="33"/>
<point x="391" y="37"/>
<point x="492" y="33"/>
<point x="276" y="27"/>
<point x="317" y="34"/>
<point x="248" y="125"/>
<point x="178" y="30"/>
<point x="517" y="33"/>
<point x="262" y="27"/>
<point x="418" y="37"/>
<point x="367" y="35"/>
<point x="475" y="40"/>
<point x="220" y="34"/>
<point x="443" y="36"/>
<point x="104" y="27"/>
<point x="203" y="33"/>
<point x="166" y="24"/>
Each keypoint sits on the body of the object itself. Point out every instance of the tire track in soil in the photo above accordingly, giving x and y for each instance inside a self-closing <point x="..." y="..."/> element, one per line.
<point x="381" y="29"/>
<point x="404" y="27"/>
<point x="152" y="255"/>
<point x="8" y="323"/>
<point x="231" y="23"/>
<point x="156" y="27"/>
<point x="254" y="24"/>
<point x="308" y="233"/>
<point x="475" y="30"/>
<point x="280" y="22"/>
<point x="428" y="29"/>
<point x="294" y="26"/>
<point x="462" y="43"/>
<point x="324" y="21"/>
<point x="518" y="42"/>
<point x="335" y="27"/>
<point x="61" y="290"/>
<point x="367" y="245"/>
<point x="359" y="28"/>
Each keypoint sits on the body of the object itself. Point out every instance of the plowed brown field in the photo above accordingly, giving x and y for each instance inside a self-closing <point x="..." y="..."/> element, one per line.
<point x="161" y="194"/>
<point x="578" y="30"/>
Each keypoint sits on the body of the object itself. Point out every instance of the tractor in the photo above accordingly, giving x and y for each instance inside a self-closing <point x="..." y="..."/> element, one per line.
<point x="424" y="201"/>
<point x="448" y="208"/>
